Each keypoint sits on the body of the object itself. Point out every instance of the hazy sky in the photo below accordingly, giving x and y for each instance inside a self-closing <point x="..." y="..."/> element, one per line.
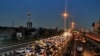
<point x="47" y="13"/>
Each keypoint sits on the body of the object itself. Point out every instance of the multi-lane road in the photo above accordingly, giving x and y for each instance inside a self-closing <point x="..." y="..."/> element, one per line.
<point x="54" y="46"/>
<point x="77" y="45"/>
<point x="90" y="47"/>
<point x="83" y="45"/>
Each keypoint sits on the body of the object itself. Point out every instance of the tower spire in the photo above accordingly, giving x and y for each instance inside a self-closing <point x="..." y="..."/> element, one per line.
<point x="29" y="16"/>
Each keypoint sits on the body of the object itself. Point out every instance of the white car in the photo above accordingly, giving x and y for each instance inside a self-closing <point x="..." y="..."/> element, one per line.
<point x="21" y="50"/>
<point x="80" y="49"/>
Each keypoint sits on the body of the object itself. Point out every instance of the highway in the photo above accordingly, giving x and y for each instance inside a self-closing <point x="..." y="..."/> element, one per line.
<point x="90" y="47"/>
<point x="54" y="46"/>
<point x="86" y="47"/>
<point x="78" y="45"/>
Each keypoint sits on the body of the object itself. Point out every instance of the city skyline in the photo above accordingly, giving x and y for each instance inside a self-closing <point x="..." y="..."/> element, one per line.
<point x="47" y="13"/>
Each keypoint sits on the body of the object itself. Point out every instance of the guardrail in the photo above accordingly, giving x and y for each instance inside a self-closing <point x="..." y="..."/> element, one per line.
<point x="93" y="37"/>
<point x="93" y="42"/>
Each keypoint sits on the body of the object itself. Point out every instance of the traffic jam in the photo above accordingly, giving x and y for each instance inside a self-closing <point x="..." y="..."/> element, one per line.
<point x="45" y="47"/>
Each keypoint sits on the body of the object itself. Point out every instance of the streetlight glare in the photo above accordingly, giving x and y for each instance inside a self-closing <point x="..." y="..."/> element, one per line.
<point x="65" y="14"/>
<point x="65" y="34"/>
<point x="73" y="23"/>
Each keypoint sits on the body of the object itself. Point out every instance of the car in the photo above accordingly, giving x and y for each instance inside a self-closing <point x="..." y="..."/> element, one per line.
<point x="21" y="50"/>
<point x="79" y="48"/>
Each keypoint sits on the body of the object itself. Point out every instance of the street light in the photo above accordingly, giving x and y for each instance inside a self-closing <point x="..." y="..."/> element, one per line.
<point x="72" y="25"/>
<point x="65" y="15"/>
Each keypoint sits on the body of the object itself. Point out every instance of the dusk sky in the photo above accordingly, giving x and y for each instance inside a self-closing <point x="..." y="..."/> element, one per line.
<point x="47" y="13"/>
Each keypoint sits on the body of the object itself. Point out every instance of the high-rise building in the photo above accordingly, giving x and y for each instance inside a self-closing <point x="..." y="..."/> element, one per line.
<point x="96" y="26"/>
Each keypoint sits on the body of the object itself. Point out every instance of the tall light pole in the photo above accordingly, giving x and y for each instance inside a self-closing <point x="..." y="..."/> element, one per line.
<point x="72" y="25"/>
<point x="65" y="15"/>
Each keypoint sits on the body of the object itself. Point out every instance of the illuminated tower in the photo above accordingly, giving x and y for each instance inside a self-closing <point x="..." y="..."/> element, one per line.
<point x="29" y="24"/>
